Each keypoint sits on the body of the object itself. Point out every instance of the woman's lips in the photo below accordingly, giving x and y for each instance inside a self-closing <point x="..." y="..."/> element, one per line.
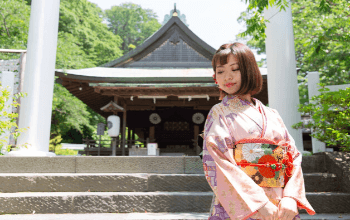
<point x="229" y="84"/>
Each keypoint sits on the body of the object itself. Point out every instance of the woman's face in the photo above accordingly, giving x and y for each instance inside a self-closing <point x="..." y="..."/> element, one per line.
<point x="228" y="76"/>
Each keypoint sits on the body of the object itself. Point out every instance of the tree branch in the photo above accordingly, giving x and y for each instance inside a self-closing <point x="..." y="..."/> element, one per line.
<point x="7" y="30"/>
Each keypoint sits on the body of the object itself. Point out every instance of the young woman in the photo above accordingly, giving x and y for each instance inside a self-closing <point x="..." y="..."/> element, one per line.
<point x="249" y="158"/>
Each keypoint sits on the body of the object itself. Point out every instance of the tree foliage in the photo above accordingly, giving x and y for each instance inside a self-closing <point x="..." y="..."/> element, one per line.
<point x="321" y="37"/>
<point x="8" y="125"/>
<point x="14" y="23"/>
<point x="132" y="23"/>
<point x="83" y="39"/>
<point x="330" y="113"/>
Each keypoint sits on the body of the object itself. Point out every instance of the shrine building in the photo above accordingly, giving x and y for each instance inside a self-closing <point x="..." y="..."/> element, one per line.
<point x="162" y="90"/>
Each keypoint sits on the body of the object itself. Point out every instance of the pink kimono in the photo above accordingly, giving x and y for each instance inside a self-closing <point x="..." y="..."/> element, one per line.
<point x="237" y="196"/>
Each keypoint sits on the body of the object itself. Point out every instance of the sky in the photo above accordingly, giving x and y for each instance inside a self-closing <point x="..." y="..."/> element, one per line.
<point x="213" y="21"/>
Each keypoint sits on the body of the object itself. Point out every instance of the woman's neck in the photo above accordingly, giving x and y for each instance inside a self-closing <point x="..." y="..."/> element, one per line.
<point x="248" y="98"/>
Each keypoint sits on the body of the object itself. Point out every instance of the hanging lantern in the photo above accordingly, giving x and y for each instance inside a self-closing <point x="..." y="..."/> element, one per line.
<point x="113" y="123"/>
<point x="198" y="118"/>
<point x="154" y="118"/>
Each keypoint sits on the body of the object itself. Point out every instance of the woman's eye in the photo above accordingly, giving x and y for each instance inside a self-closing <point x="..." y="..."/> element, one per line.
<point x="235" y="70"/>
<point x="220" y="72"/>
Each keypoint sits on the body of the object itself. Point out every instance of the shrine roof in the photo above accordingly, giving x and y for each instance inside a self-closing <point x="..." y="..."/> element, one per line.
<point x="137" y="75"/>
<point x="174" y="32"/>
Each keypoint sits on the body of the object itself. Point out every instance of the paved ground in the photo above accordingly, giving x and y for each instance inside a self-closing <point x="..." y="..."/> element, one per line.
<point x="139" y="216"/>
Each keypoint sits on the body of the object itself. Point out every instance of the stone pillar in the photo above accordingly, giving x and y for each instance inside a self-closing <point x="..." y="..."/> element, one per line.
<point x="39" y="79"/>
<point x="281" y="67"/>
<point x="7" y="79"/>
<point x="313" y="80"/>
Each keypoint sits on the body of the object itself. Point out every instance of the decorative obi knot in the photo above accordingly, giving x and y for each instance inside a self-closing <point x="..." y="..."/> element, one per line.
<point x="268" y="165"/>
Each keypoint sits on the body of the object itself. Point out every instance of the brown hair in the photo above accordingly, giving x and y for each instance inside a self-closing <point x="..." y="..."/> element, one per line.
<point x="251" y="79"/>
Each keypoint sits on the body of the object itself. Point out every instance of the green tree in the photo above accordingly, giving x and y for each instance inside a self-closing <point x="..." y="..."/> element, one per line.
<point x="330" y="117"/>
<point x="8" y="118"/>
<point x="132" y="23"/>
<point x="321" y="37"/>
<point x="14" y="23"/>
<point x="83" y="39"/>
<point x="72" y="120"/>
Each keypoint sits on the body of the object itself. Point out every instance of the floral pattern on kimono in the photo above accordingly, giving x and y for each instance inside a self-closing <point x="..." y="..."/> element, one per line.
<point x="236" y="195"/>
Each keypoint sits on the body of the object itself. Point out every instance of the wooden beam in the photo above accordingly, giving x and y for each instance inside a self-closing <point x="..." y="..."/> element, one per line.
<point x="141" y="108"/>
<point x="151" y="132"/>
<point x="124" y="130"/>
<point x="211" y="91"/>
<point x="196" y="133"/>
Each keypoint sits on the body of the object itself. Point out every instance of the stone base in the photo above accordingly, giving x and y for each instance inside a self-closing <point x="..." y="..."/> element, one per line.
<point x="30" y="153"/>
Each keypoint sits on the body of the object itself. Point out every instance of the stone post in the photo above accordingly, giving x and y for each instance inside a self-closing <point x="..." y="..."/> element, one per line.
<point x="39" y="79"/>
<point x="7" y="79"/>
<point x="281" y="67"/>
<point x="313" y="80"/>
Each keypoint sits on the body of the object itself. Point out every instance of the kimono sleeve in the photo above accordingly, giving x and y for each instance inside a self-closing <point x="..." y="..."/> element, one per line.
<point x="240" y="196"/>
<point x="295" y="187"/>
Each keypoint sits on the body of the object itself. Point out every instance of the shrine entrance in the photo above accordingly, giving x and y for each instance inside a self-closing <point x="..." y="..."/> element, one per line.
<point x="175" y="132"/>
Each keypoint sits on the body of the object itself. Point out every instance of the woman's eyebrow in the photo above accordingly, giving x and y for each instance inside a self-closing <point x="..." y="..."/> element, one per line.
<point x="230" y="65"/>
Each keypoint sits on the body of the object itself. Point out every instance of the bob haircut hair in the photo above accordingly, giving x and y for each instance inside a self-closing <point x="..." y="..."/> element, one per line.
<point x="251" y="79"/>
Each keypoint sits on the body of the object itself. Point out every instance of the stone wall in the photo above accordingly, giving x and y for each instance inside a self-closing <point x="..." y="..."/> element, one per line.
<point x="339" y="163"/>
<point x="14" y="67"/>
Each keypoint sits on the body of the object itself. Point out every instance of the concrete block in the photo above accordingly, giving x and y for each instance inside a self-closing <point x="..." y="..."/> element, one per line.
<point x="143" y="202"/>
<point x="193" y="165"/>
<point x="104" y="202"/>
<point x="329" y="202"/>
<point x="129" y="164"/>
<point x="321" y="182"/>
<point x="27" y="203"/>
<point x="313" y="164"/>
<point x="178" y="182"/>
<point x="63" y="164"/>
<point x="70" y="182"/>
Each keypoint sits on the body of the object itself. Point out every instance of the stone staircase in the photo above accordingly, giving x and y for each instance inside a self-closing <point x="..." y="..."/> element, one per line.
<point x="162" y="184"/>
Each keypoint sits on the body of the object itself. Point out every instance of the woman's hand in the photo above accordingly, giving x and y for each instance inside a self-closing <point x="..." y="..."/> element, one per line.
<point x="269" y="211"/>
<point x="287" y="208"/>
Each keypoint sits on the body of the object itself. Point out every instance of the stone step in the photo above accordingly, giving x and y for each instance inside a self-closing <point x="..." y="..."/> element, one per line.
<point x="148" y="216"/>
<point x="313" y="164"/>
<point x="329" y="202"/>
<point x="321" y="182"/>
<point x="126" y="182"/>
<point x="104" y="202"/>
<point x="124" y="164"/>
<point x="130" y="202"/>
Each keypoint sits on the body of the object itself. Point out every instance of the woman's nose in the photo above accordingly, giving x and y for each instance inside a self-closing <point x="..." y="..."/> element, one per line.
<point x="228" y="78"/>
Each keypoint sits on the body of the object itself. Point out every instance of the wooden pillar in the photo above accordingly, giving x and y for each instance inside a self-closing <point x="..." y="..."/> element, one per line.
<point x="133" y="135"/>
<point x="129" y="138"/>
<point x="151" y="133"/>
<point x="114" y="146"/>
<point x="124" y="130"/>
<point x="196" y="133"/>
<point x="118" y="144"/>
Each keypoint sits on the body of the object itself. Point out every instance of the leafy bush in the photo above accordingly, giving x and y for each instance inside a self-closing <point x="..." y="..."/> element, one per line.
<point x="56" y="147"/>
<point x="330" y="117"/>
<point x="8" y="124"/>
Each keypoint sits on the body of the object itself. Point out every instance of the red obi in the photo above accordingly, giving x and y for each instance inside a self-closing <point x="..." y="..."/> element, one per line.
<point x="268" y="164"/>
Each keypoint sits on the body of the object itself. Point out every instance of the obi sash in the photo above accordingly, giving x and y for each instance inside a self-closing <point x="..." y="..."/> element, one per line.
<point x="268" y="165"/>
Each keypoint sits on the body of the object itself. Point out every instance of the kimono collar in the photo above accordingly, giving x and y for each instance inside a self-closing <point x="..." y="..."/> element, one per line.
<point x="234" y="99"/>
